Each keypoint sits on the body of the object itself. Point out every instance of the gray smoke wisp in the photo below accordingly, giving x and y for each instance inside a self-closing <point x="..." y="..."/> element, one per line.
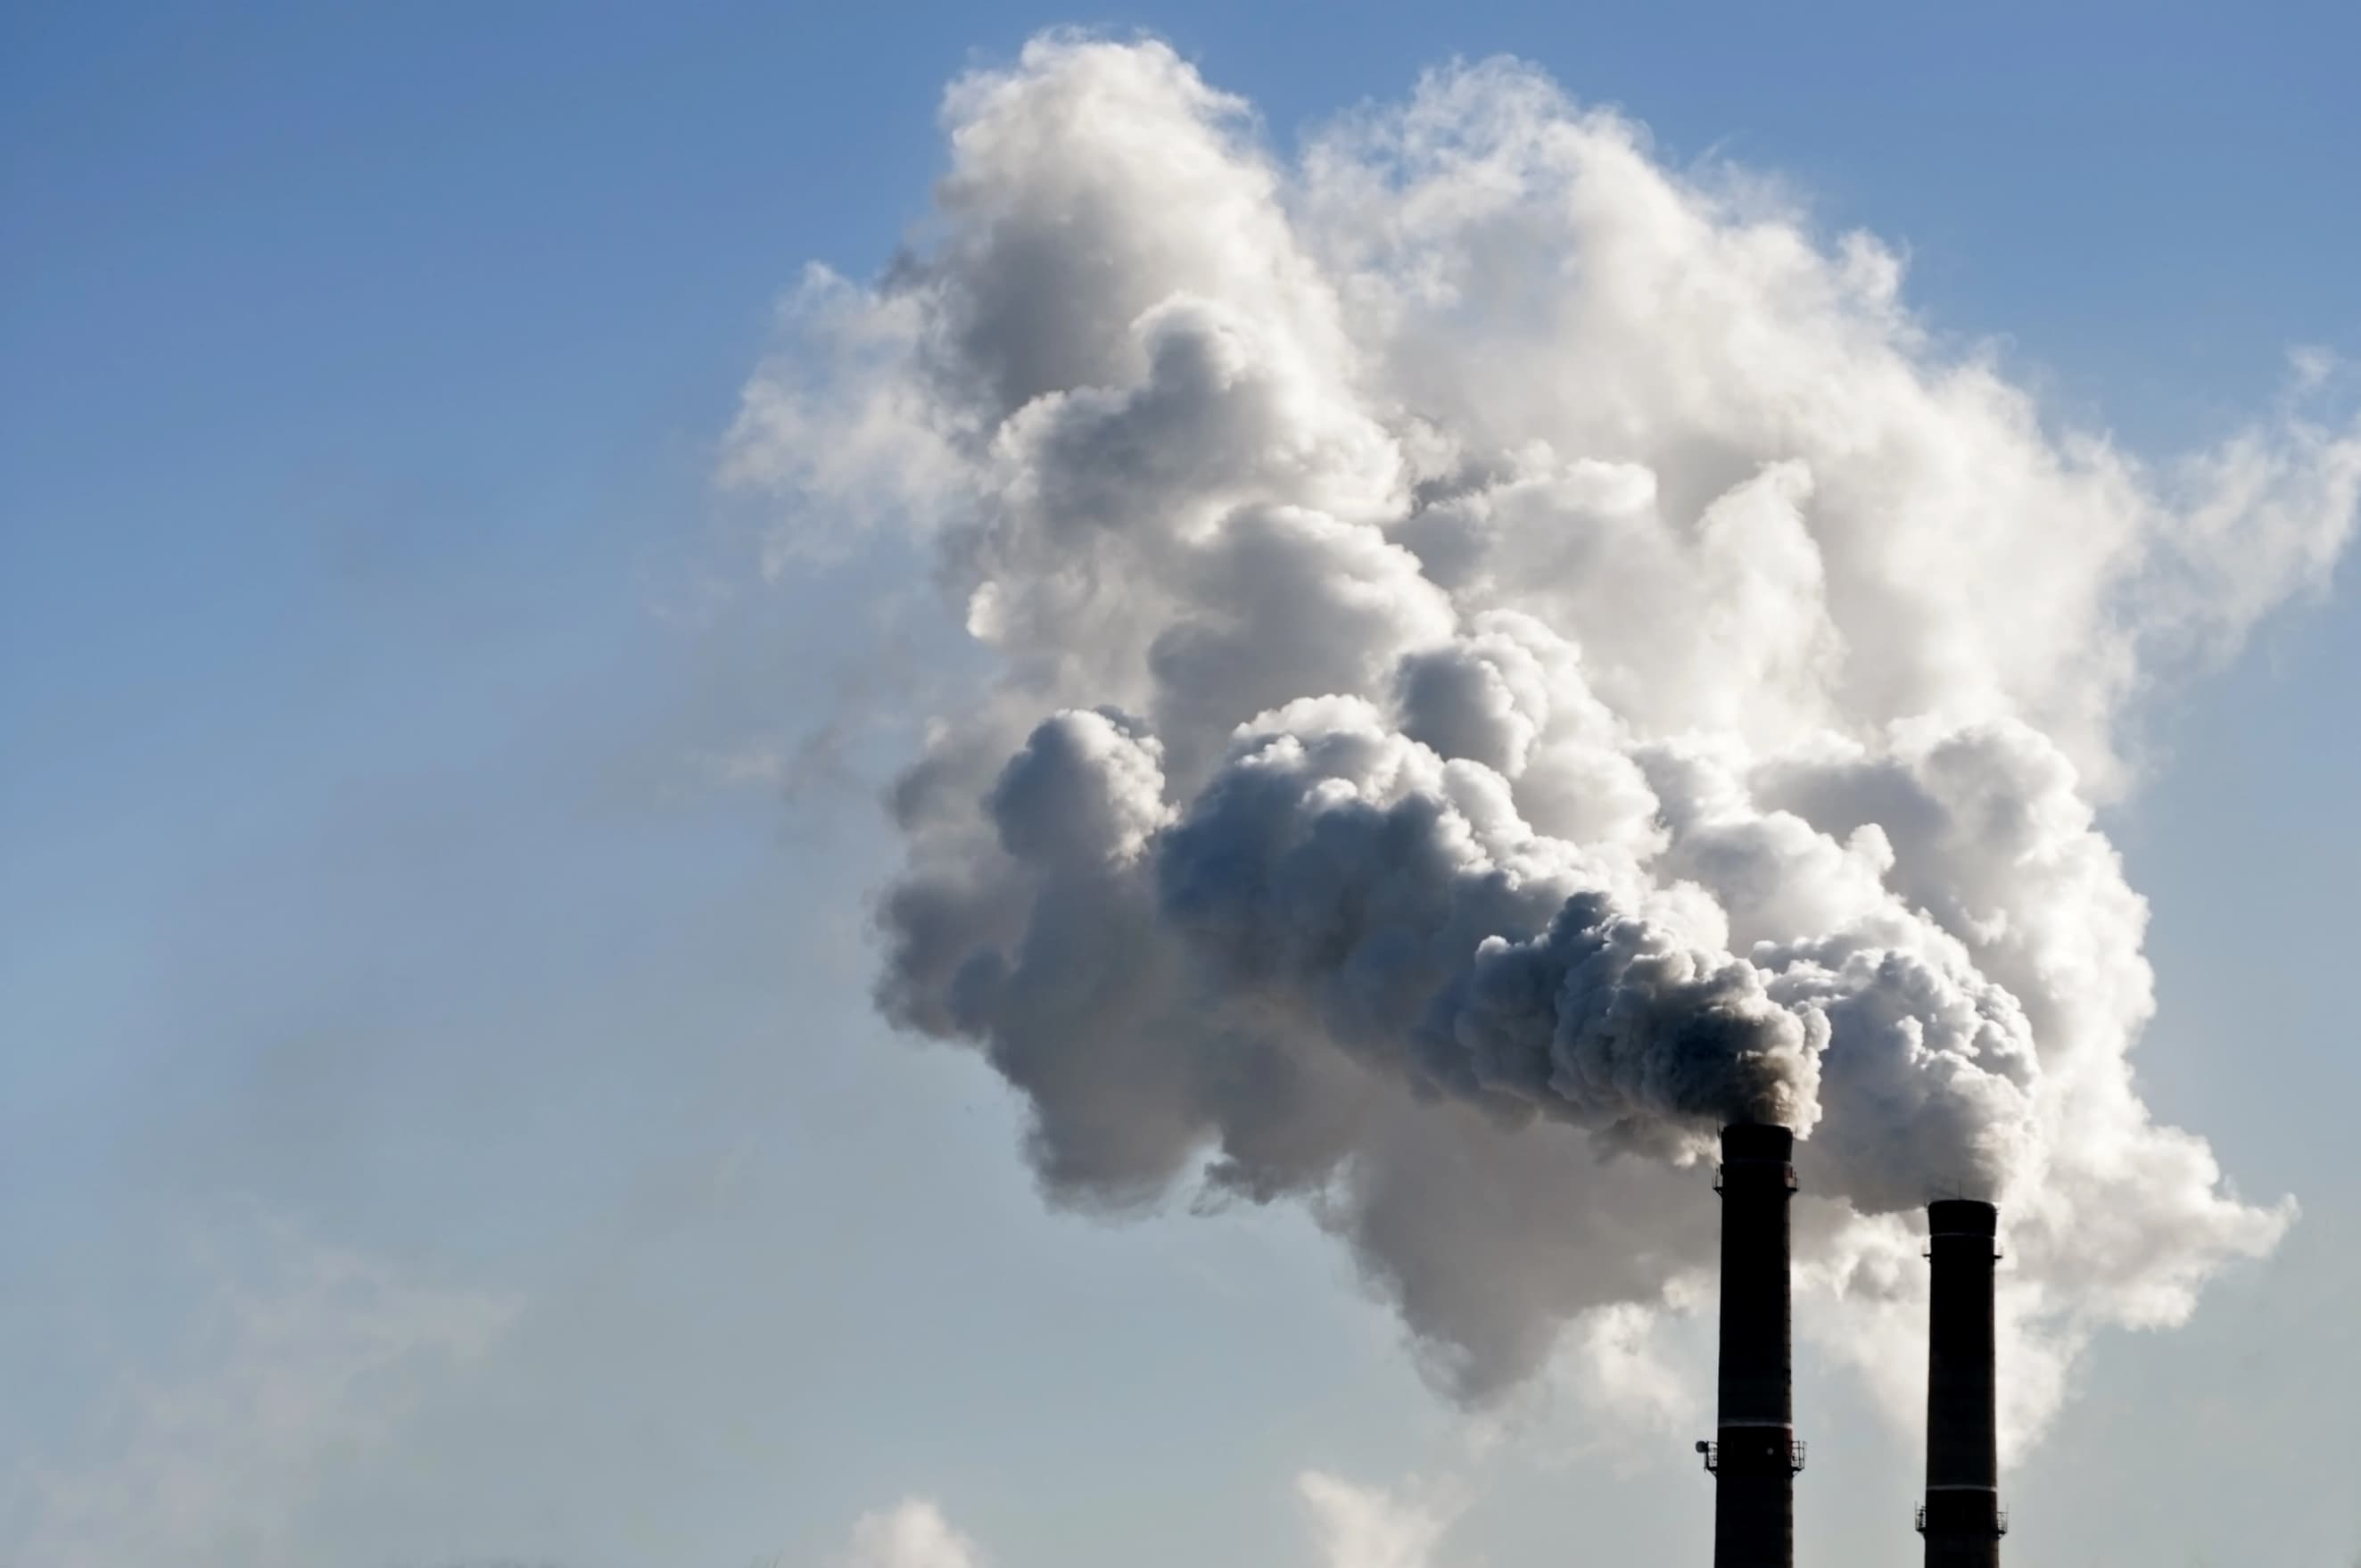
<point x="1503" y="656"/>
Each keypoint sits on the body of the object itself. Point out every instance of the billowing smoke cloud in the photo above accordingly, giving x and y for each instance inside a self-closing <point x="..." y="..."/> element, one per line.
<point x="1505" y="656"/>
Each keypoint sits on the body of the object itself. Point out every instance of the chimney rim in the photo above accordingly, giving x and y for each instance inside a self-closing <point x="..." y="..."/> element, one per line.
<point x="1962" y="1217"/>
<point x="1747" y="1141"/>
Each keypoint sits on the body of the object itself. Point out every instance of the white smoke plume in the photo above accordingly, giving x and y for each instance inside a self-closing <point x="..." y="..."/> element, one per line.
<point x="1506" y="655"/>
<point x="911" y="1534"/>
<point x="1369" y="1527"/>
<point x="1353" y="1527"/>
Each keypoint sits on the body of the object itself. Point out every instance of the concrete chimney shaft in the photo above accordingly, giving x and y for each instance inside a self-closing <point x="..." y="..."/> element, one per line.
<point x="1754" y="1455"/>
<point x="1961" y="1520"/>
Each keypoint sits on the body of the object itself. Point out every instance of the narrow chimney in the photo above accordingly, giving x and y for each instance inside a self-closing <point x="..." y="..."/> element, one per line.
<point x="1961" y="1518"/>
<point x="1755" y="1454"/>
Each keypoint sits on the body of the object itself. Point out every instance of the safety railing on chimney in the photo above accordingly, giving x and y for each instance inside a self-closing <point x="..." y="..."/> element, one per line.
<point x="1791" y="1179"/>
<point x="2000" y="1517"/>
<point x="1712" y="1452"/>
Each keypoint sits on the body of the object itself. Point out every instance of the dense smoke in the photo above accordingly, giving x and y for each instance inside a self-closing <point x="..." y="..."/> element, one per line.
<point x="1505" y="656"/>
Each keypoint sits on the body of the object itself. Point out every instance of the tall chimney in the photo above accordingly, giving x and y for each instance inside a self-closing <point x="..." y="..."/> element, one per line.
<point x="1755" y="1454"/>
<point x="1961" y="1518"/>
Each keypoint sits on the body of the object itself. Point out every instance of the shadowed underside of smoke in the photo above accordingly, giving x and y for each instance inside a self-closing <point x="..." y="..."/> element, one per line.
<point x="1506" y="655"/>
<point x="1507" y="990"/>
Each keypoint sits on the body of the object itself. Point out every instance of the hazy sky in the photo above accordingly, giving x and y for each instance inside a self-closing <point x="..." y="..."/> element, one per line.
<point x="441" y="1118"/>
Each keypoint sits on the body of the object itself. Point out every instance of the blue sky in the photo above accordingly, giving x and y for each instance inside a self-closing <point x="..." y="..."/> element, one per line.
<point x="371" y="628"/>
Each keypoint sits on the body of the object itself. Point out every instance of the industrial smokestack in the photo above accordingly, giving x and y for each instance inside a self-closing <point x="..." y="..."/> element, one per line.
<point x="1755" y="1454"/>
<point x="1962" y="1518"/>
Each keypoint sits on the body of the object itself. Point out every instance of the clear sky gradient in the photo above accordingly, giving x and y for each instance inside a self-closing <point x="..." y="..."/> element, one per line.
<point x="441" y="1118"/>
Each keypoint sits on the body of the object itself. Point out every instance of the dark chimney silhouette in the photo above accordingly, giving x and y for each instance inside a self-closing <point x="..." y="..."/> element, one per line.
<point x="1962" y="1518"/>
<point x="1754" y="1455"/>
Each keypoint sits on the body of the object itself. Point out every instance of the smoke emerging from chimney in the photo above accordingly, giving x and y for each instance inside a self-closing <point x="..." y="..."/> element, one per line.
<point x="1504" y="656"/>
